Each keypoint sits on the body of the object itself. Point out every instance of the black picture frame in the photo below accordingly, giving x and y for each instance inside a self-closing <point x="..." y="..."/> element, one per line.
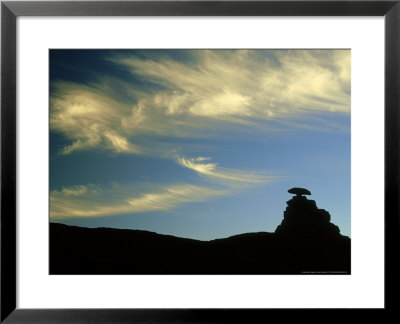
<point x="10" y="10"/>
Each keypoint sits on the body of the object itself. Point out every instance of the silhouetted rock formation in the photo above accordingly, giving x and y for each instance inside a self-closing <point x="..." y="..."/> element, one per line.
<point x="302" y="219"/>
<point x="305" y="242"/>
<point x="307" y="235"/>
<point x="299" y="191"/>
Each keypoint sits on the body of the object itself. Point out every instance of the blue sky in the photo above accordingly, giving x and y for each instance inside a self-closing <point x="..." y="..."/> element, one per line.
<point x="197" y="143"/>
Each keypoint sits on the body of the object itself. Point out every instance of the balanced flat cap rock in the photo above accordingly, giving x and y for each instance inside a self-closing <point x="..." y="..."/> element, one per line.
<point x="299" y="191"/>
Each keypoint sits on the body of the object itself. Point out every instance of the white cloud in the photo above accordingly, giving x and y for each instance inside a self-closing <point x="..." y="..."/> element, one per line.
<point x="222" y="104"/>
<point x="214" y="172"/>
<point x="93" y="201"/>
<point x="77" y="191"/>
<point x="89" y="118"/>
<point x="217" y="90"/>
<point x="172" y="197"/>
<point x="249" y="83"/>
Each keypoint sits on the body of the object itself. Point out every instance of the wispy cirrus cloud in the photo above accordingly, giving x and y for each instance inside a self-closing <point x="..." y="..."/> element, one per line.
<point x="173" y="196"/>
<point x="215" y="91"/>
<point x="89" y="118"/>
<point x="95" y="201"/>
<point x="215" y="172"/>
<point x="77" y="190"/>
<point x="255" y="83"/>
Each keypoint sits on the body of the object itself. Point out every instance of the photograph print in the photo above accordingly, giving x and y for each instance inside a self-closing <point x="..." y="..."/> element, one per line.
<point x="199" y="161"/>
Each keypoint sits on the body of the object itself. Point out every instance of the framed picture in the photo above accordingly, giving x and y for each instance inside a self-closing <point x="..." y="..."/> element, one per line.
<point x="158" y="159"/>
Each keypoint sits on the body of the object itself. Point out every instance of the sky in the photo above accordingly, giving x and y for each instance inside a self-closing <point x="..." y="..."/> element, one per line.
<point x="201" y="144"/>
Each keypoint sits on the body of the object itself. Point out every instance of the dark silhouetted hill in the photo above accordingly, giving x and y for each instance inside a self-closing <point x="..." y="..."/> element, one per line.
<point x="305" y="242"/>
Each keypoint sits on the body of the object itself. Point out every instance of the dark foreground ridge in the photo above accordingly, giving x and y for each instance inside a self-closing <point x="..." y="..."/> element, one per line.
<point x="306" y="242"/>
